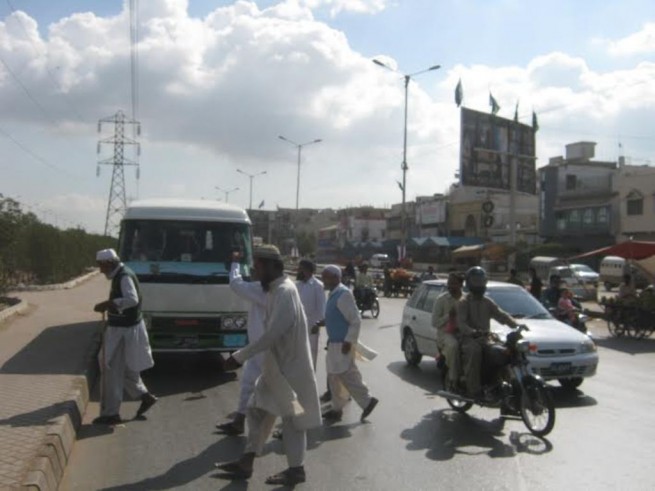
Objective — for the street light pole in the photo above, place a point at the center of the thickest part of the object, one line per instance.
(299, 147)
(251, 177)
(404, 166)
(226, 191)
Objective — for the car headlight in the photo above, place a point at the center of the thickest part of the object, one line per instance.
(228, 323)
(588, 346)
(240, 322)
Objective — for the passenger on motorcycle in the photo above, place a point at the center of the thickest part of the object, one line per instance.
(363, 286)
(444, 319)
(565, 308)
(474, 314)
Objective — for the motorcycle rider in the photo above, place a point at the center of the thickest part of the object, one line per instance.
(363, 286)
(553, 293)
(442, 319)
(474, 314)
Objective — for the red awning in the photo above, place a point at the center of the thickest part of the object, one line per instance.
(630, 249)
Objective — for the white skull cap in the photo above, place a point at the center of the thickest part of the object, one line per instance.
(107, 255)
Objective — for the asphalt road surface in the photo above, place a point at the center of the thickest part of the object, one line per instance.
(604, 436)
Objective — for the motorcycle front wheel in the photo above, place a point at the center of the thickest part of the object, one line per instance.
(460, 406)
(375, 308)
(537, 409)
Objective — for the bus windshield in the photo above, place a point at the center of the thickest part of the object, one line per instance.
(178, 241)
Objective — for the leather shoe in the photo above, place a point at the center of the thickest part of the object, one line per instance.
(234, 469)
(290, 477)
(369, 409)
(232, 428)
(147, 401)
(333, 415)
(113, 419)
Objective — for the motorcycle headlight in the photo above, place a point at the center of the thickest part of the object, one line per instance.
(228, 323)
(588, 346)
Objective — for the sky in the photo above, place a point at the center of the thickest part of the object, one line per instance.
(219, 81)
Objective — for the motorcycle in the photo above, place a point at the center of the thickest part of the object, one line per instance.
(509, 384)
(367, 299)
(579, 322)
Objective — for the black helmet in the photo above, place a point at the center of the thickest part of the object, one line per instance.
(476, 279)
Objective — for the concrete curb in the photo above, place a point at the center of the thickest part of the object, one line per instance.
(46, 469)
(18, 308)
(58, 286)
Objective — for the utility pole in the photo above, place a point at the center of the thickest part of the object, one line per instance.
(116, 203)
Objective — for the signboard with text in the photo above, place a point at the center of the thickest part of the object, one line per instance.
(488, 144)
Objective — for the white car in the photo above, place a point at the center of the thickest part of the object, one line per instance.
(560, 352)
(579, 278)
(379, 260)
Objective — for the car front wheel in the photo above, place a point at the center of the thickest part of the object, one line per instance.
(410, 349)
(571, 383)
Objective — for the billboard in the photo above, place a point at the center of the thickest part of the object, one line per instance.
(488, 144)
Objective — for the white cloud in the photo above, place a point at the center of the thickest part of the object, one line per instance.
(638, 43)
(357, 6)
(217, 91)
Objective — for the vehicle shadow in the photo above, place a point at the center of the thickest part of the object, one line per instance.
(426, 376)
(567, 398)
(182, 373)
(444, 433)
(626, 345)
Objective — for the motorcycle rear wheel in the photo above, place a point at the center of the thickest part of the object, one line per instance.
(537, 410)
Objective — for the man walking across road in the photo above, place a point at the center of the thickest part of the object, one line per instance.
(125, 348)
(254, 294)
(444, 320)
(312, 296)
(287, 385)
(342, 323)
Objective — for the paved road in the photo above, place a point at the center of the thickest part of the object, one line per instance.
(604, 437)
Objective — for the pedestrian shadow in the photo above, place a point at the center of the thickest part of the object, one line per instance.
(58, 350)
(630, 346)
(44, 416)
(426, 376)
(443, 434)
(187, 471)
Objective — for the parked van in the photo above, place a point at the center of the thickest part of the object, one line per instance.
(612, 269)
(181, 250)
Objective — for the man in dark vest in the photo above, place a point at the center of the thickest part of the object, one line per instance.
(125, 348)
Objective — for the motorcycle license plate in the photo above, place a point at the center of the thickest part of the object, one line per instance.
(560, 368)
(234, 340)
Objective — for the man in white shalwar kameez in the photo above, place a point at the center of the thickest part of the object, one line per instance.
(342, 323)
(312, 296)
(254, 294)
(125, 348)
(287, 386)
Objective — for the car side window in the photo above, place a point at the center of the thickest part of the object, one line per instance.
(416, 298)
(427, 302)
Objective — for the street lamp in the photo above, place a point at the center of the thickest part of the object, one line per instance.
(299, 147)
(251, 176)
(403, 187)
(226, 191)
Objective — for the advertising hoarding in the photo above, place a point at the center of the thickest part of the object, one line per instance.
(488, 144)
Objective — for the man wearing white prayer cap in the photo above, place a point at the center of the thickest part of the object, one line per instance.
(342, 323)
(286, 387)
(125, 347)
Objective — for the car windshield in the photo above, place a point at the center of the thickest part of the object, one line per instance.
(582, 268)
(518, 303)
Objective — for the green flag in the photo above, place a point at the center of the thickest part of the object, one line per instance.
(459, 93)
(494, 105)
(535, 124)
